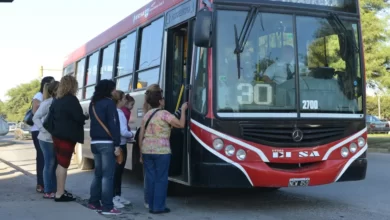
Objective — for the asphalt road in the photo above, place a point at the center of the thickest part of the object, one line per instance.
(367, 199)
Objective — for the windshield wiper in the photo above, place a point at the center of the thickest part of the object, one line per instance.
(343, 30)
(245, 32)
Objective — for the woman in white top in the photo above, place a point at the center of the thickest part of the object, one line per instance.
(46, 141)
(120, 101)
(37, 99)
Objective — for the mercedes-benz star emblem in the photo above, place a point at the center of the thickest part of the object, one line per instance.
(297, 135)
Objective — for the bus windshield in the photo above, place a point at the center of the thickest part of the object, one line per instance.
(321, 57)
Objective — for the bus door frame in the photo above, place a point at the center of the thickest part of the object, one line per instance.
(174, 18)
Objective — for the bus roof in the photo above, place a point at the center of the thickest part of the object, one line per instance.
(131, 22)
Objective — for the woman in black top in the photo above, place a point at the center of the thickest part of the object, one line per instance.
(68, 129)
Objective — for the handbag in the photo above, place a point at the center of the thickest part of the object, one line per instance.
(119, 158)
(4, 128)
(28, 117)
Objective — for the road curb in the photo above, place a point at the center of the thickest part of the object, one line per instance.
(6, 143)
(378, 150)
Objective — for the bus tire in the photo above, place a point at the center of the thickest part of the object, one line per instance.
(83, 163)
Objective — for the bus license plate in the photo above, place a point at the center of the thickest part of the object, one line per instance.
(294, 182)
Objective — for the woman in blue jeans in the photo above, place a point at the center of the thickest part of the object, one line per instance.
(105, 145)
(46, 141)
(155, 148)
(37, 99)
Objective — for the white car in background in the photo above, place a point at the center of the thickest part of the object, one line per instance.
(376, 125)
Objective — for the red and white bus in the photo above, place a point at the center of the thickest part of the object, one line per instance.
(276, 87)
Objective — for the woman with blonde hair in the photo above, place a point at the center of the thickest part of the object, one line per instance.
(37, 99)
(46, 140)
(67, 130)
(120, 100)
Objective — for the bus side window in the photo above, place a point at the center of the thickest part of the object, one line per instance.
(200, 82)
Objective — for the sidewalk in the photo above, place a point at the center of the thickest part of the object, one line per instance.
(19, 201)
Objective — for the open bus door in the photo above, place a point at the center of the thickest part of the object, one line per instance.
(176, 93)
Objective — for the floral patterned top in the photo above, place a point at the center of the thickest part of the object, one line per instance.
(156, 138)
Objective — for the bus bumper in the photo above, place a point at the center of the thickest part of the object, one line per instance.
(225, 175)
(357, 171)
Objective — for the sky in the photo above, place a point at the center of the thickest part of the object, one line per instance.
(38, 33)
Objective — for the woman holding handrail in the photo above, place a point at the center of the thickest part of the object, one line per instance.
(155, 148)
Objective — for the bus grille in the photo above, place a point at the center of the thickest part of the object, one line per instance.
(281, 136)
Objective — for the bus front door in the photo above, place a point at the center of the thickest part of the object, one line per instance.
(177, 78)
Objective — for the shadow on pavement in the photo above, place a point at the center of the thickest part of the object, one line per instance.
(18, 200)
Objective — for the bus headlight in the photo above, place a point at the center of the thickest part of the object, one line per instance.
(344, 152)
(229, 150)
(241, 154)
(352, 147)
(218, 144)
(361, 142)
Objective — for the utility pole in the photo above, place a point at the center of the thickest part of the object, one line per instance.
(379, 105)
(41, 73)
(42, 69)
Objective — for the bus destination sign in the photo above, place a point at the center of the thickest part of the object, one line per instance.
(329, 3)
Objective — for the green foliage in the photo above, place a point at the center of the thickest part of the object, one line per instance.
(372, 106)
(374, 37)
(20, 99)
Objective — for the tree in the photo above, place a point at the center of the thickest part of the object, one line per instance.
(375, 35)
(20, 100)
(372, 106)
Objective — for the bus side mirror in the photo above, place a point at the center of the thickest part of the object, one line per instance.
(203, 28)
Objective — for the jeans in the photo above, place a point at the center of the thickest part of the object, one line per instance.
(145, 188)
(49, 170)
(40, 161)
(119, 168)
(156, 168)
(103, 181)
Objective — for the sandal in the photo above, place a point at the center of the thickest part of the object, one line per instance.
(68, 193)
(65, 198)
(39, 189)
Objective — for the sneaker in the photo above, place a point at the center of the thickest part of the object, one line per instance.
(117, 204)
(96, 208)
(49, 195)
(146, 205)
(113, 211)
(39, 189)
(122, 200)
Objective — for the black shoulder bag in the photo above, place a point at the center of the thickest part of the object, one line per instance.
(28, 117)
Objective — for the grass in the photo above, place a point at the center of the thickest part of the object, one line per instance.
(379, 141)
